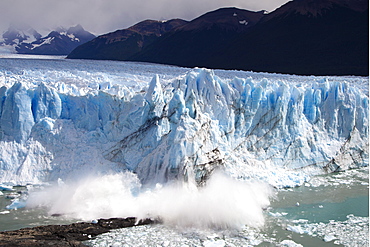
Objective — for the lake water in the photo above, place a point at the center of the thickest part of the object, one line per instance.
(329, 210)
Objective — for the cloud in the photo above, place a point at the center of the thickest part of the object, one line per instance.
(101, 16)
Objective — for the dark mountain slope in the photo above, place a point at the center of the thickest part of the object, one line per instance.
(122, 44)
(226, 19)
(318, 37)
(199, 41)
(313, 37)
(315, 8)
(334, 41)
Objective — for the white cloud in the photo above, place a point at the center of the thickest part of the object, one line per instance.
(101, 16)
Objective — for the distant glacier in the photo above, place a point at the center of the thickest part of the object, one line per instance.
(62, 119)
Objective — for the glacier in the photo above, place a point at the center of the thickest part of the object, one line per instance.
(62, 119)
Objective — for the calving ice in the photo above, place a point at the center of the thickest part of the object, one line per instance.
(165, 123)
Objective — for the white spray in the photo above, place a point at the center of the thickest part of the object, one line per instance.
(223, 203)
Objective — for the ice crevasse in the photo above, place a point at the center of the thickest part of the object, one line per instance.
(269, 130)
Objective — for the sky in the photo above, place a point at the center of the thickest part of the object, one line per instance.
(103, 16)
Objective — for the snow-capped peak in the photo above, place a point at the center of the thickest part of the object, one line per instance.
(61, 41)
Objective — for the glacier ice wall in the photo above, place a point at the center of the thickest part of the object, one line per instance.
(183, 128)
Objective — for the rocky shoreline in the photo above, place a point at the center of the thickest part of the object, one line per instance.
(66, 235)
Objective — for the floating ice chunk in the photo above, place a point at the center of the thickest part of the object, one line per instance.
(214, 243)
(300, 221)
(4, 187)
(12, 196)
(278, 214)
(298, 229)
(352, 232)
(16, 204)
(329, 237)
(289, 243)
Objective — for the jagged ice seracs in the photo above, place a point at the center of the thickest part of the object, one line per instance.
(165, 123)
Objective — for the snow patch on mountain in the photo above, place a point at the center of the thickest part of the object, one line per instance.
(23, 39)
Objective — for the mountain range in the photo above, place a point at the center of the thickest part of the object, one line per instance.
(318, 37)
(122, 44)
(26, 40)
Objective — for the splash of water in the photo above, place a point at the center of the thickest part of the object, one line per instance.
(222, 203)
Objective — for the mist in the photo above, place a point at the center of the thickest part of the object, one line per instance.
(222, 203)
(102, 16)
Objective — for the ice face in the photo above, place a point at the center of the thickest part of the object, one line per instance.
(179, 124)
